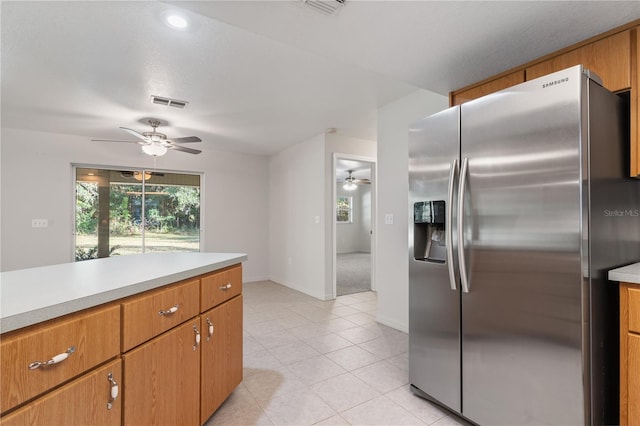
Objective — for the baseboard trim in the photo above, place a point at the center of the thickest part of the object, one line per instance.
(392, 323)
(255, 279)
(293, 287)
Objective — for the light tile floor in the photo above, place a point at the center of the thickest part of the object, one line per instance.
(310, 362)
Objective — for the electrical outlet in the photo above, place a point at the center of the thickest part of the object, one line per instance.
(388, 219)
(39, 223)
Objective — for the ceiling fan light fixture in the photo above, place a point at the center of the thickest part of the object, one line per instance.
(155, 150)
(349, 186)
(138, 176)
(349, 182)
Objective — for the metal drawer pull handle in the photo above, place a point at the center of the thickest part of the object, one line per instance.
(114, 391)
(197, 337)
(210, 329)
(225, 287)
(171, 310)
(55, 360)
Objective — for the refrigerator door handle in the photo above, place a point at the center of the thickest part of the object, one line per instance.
(449, 224)
(463, 264)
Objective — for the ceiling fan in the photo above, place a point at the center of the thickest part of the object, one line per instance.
(350, 182)
(155, 143)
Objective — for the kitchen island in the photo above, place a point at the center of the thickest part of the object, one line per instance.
(162, 330)
(629, 278)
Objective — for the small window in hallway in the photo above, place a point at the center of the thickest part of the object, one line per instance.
(344, 210)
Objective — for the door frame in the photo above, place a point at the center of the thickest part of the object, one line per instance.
(334, 193)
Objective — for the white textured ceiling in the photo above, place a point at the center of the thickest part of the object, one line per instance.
(262, 75)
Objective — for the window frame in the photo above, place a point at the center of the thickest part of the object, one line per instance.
(75, 166)
(349, 210)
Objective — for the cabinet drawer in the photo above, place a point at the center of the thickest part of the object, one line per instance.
(94, 336)
(81, 402)
(220, 286)
(148, 315)
(634, 310)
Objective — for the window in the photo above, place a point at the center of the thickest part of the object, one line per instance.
(344, 210)
(121, 212)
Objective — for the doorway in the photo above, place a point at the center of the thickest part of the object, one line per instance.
(354, 200)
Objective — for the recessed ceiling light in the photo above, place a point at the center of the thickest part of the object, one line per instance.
(177, 21)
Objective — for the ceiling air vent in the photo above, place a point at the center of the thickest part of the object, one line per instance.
(160, 100)
(326, 7)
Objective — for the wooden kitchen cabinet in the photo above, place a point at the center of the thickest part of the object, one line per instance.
(221, 357)
(85, 401)
(182, 375)
(614, 56)
(162, 379)
(629, 354)
(156, 344)
(609, 58)
(461, 96)
(87, 338)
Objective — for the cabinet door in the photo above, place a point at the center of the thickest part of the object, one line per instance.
(161, 379)
(221, 355)
(81, 402)
(609, 58)
(633, 377)
(462, 96)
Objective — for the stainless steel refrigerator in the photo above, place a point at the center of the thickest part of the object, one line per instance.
(520, 203)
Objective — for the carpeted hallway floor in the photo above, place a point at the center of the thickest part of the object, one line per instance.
(353, 273)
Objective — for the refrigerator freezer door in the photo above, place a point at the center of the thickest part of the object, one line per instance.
(522, 318)
(434, 307)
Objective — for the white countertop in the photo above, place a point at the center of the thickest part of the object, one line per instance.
(29, 296)
(626, 274)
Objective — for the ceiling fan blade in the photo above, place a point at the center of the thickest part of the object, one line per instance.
(186, 139)
(113, 140)
(184, 149)
(136, 134)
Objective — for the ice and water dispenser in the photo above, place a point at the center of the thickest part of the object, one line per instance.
(429, 241)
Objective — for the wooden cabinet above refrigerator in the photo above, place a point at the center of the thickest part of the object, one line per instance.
(613, 56)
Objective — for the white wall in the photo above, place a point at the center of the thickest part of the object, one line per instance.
(296, 217)
(300, 183)
(355, 237)
(37, 182)
(391, 268)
